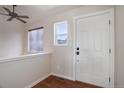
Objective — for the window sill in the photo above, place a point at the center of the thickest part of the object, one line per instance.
(60, 44)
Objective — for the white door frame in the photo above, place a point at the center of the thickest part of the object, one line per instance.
(111, 38)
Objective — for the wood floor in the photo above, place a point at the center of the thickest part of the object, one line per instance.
(57, 82)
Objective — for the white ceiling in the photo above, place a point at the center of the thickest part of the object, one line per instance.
(36, 12)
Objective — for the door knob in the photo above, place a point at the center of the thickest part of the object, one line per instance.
(77, 53)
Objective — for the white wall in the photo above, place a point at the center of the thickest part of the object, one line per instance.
(24, 72)
(119, 37)
(11, 37)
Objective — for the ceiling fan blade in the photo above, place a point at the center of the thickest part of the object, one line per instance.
(6, 9)
(22, 16)
(21, 20)
(4, 14)
(10, 19)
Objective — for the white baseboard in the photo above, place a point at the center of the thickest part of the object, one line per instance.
(41, 79)
(37, 81)
(62, 76)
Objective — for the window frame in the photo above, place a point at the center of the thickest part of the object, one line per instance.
(55, 33)
(28, 50)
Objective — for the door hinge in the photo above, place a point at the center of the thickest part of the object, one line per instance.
(109, 79)
(109, 50)
(109, 21)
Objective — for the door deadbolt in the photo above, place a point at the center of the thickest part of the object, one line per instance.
(77, 48)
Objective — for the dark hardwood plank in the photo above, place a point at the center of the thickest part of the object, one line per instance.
(57, 82)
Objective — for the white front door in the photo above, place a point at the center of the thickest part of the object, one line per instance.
(92, 43)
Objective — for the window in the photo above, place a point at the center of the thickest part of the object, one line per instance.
(61, 33)
(35, 40)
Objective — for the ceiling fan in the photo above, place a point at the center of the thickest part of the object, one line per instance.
(13, 14)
